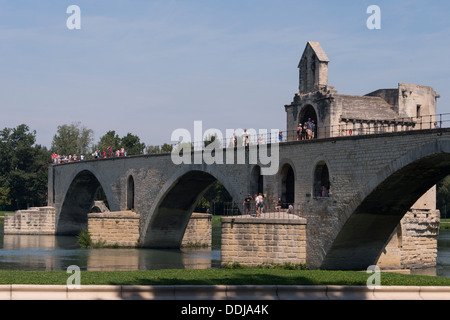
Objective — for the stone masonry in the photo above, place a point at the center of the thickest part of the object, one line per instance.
(198, 231)
(114, 228)
(262, 240)
(31, 221)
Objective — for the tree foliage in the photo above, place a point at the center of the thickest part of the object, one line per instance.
(72, 139)
(443, 196)
(109, 140)
(130, 142)
(23, 168)
(216, 193)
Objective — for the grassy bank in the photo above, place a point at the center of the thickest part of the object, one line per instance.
(219, 277)
(2, 213)
(445, 224)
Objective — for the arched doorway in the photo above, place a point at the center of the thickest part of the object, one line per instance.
(256, 181)
(308, 113)
(287, 178)
(130, 193)
(321, 185)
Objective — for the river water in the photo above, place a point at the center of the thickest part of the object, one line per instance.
(47, 252)
(39, 252)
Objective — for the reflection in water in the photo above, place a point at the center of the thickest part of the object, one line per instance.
(46, 252)
(443, 258)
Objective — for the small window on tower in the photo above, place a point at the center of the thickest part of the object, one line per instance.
(418, 111)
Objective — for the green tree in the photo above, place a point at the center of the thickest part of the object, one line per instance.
(23, 169)
(109, 139)
(212, 138)
(166, 148)
(216, 193)
(72, 139)
(151, 149)
(5, 199)
(443, 196)
(132, 144)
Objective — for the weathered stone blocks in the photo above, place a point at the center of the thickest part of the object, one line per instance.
(263, 240)
(119, 228)
(35, 220)
(198, 231)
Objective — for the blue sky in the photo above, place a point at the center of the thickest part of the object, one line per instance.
(150, 67)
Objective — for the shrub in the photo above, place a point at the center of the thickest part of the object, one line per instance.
(84, 239)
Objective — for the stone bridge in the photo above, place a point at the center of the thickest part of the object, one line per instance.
(372, 180)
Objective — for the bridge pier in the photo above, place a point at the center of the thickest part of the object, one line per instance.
(269, 239)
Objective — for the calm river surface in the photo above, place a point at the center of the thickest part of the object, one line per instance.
(27, 252)
(41, 252)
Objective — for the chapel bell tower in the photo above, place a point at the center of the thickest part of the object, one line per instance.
(313, 69)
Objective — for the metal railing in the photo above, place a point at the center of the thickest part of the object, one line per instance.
(347, 127)
(269, 210)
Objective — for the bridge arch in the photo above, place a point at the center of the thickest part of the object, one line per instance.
(168, 217)
(376, 211)
(78, 201)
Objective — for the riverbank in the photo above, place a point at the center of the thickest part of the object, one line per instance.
(248, 276)
(183, 275)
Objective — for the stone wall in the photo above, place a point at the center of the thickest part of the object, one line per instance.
(258, 240)
(413, 244)
(198, 230)
(420, 230)
(114, 228)
(31, 221)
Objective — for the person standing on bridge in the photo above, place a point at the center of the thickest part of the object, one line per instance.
(309, 129)
(313, 129)
(246, 138)
(259, 204)
(247, 203)
(299, 132)
(234, 140)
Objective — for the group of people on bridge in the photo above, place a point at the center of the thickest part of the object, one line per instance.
(306, 131)
(256, 204)
(109, 153)
(58, 159)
